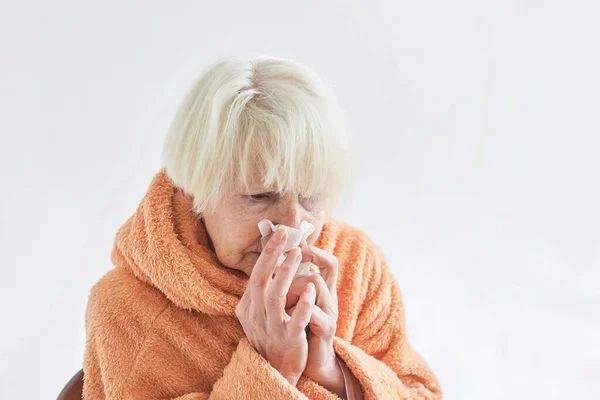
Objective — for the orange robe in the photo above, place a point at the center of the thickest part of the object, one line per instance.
(162, 324)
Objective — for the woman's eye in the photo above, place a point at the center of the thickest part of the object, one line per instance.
(309, 202)
(259, 197)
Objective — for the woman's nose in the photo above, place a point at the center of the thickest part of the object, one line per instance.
(289, 213)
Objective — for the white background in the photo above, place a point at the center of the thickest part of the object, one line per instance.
(477, 137)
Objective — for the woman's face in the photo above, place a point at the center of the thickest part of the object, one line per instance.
(233, 226)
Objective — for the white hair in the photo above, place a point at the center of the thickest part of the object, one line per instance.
(269, 116)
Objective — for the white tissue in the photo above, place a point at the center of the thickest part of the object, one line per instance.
(295, 236)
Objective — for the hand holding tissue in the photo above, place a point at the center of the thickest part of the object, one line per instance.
(294, 237)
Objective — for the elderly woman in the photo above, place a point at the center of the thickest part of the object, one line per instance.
(202, 304)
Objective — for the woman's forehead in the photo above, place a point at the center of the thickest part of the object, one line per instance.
(255, 182)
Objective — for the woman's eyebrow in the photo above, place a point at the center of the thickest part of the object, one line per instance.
(265, 191)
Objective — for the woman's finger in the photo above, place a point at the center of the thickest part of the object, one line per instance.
(327, 263)
(324, 298)
(262, 272)
(320, 323)
(303, 311)
(279, 287)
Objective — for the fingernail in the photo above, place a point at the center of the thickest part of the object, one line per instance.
(310, 288)
(280, 234)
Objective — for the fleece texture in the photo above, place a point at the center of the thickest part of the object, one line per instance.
(162, 324)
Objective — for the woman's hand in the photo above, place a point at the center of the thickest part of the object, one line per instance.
(322, 366)
(279, 338)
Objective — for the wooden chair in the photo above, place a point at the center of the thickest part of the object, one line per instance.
(73, 389)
